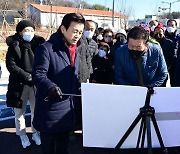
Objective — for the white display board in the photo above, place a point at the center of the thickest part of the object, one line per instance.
(109, 110)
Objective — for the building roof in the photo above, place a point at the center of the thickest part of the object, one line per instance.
(65, 10)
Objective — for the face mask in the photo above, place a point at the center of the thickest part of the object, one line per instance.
(121, 39)
(135, 53)
(107, 39)
(99, 37)
(102, 53)
(158, 36)
(152, 28)
(28, 36)
(171, 29)
(88, 34)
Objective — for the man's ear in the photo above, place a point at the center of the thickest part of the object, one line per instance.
(63, 29)
(21, 33)
(147, 44)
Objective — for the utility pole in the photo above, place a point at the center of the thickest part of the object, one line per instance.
(113, 14)
(49, 3)
(51, 15)
(170, 4)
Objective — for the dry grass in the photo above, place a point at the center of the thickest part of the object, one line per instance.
(3, 51)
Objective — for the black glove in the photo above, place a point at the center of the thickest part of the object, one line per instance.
(55, 93)
(29, 81)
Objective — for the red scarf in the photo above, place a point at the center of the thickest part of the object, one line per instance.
(72, 52)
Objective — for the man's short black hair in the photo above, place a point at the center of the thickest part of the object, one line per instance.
(137, 33)
(172, 20)
(72, 17)
(93, 22)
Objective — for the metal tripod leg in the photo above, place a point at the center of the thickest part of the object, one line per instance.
(144, 132)
(140, 132)
(158, 134)
(127, 132)
(146, 113)
(149, 140)
(145, 125)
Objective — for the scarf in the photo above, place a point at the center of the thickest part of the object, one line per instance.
(72, 52)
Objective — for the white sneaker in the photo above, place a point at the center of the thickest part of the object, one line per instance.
(36, 138)
(25, 141)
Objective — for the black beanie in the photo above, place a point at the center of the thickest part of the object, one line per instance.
(23, 24)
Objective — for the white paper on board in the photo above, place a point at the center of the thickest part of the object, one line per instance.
(109, 110)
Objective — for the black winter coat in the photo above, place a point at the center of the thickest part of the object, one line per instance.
(168, 51)
(102, 70)
(51, 67)
(19, 59)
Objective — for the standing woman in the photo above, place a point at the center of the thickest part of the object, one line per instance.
(21, 89)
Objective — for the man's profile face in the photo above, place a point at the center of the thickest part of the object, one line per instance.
(73, 33)
(137, 45)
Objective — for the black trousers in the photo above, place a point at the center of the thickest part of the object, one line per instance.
(54, 143)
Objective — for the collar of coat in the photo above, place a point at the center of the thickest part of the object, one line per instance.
(58, 38)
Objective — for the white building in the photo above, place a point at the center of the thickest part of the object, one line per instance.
(51, 16)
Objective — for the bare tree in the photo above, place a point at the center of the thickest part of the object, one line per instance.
(125, 13)
(85, 5)
(64, 3)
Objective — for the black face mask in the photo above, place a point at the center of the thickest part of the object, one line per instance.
(158, 36)
(120, 39)
(135, 53)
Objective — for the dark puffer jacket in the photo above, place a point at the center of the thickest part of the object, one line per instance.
(19, 59)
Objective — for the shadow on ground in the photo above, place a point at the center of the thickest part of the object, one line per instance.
(10, 143)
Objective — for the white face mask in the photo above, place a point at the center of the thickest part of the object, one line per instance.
(102, 53)
(152, 28)
(100, 37)
(88, 34)
(28, 36)
(171, 29)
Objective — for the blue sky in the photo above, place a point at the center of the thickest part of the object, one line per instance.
(137, 9)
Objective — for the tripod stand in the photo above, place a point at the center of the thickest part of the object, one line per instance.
(146, 114)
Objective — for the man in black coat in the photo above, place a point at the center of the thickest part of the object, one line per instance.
(60, 65)
(167, 49)
(177, 72)
(21, 89)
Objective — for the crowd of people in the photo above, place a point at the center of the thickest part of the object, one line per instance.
(42, 72)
